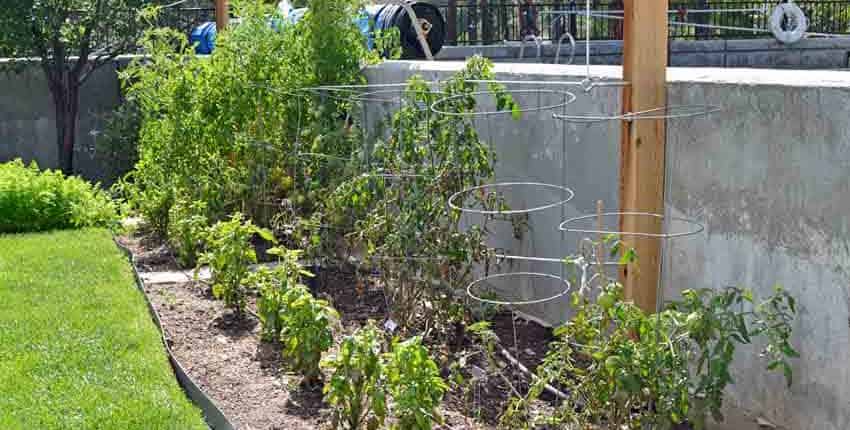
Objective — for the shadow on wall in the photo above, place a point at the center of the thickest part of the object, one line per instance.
(27, 124)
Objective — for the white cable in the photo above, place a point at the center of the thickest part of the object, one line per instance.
(798, 20)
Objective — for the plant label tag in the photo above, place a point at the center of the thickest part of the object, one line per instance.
(477, 372)
(390, 325)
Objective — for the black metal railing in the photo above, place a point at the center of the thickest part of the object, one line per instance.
(475, 22)
(493, 21)
(185, 19)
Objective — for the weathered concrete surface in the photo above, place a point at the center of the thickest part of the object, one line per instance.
(27, 119)
(831, 53)
(769, 178)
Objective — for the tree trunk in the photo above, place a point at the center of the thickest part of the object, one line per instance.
(66, 101)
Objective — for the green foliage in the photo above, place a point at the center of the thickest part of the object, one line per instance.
(34, 200)
(229, 255)
(414, 382)
(273, 285)
(71, 39)
(625, 368)
(65, 28)
(396, 210)
(187, 226)
(227, 130)
(117, 144)
(356, 389)
(716, 321)
(307, 330)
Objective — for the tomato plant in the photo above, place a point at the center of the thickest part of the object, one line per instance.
(626, 368)
(230, 130)
(396, 212)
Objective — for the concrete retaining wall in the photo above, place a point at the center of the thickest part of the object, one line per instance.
(832, 53)
(27, 119)
(768, 176)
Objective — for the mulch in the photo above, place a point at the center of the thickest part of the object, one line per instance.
(251, 383)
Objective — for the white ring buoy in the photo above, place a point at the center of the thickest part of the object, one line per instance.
(799, 23)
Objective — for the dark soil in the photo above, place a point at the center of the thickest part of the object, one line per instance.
(151, 252)
(249, 381)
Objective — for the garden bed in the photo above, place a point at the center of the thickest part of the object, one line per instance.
(250, 381)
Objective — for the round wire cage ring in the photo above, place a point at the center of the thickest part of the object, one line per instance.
(408, 258)
(667, 112)
(397, 96)
(320, 156)
(365, 93)
(395, 175)
(562, 260)
(567, 194)
(470, 289)
(568, 98)
(694, 227)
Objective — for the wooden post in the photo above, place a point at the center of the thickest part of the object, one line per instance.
(642, 146)
(222, 14)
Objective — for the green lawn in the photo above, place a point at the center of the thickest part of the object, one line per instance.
(78, 349)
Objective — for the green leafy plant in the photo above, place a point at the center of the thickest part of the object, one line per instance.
(395, 211)
(356, 388)
(273, 285)
(229, 255)
(187, 226)
(414, 382)
(626, 368)
(307, 331)
(230, 130)
(36, 200)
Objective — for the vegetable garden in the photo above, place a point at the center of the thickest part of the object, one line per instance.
(270, 152)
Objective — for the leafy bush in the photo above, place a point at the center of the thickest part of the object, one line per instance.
(34, 200)
(414, 382)
(625, 368)
(227, 130)
(229, 255)
(273, 285)
(356, 389)
(307, 331)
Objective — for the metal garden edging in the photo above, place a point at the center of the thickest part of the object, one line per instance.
(215, 419)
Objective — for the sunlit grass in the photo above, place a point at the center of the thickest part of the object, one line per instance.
(78, 349)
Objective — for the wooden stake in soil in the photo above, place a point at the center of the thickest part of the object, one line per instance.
(599, 227)
(642, 145)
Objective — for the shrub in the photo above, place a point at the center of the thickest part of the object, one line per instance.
(33, 200)
(229, 255)
(307, 331)
(356, 389)
(414, 382)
